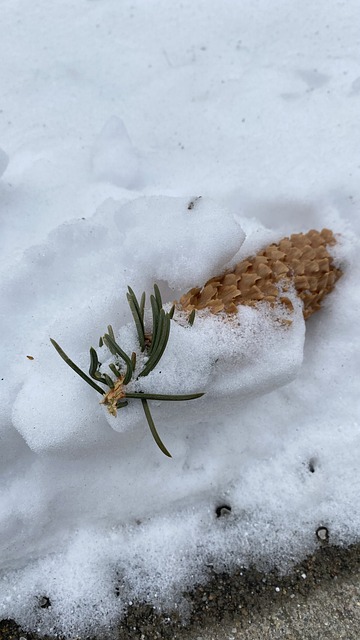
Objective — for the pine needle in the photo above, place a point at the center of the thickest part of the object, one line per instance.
(75, 368)
(153, 429)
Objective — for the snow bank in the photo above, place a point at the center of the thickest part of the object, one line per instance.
(92, 515)
(90, 507)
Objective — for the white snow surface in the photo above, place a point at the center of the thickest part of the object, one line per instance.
(116, 118)
(4, 160)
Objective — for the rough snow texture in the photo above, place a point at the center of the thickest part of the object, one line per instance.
(111, 137)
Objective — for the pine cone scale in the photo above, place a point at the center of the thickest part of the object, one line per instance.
(301, 260)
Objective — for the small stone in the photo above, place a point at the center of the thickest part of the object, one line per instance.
(322, 533)
(44, 602)
(223, 510)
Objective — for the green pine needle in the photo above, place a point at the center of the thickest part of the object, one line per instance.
(75, 368)
(94, 362)
(191, 318)
(157, 334)
(115, 370)
(158, 296)
(142, 305)
(159, 396)
(111, 332)
(153, 429)
(160, 344)
(138, 315)
(107, 380)
(116, 350)
(155, 320)
(94, 370)
(121, 403)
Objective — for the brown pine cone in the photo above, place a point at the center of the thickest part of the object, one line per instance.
(301, 260)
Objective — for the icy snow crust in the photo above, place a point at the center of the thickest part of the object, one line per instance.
(106, 143)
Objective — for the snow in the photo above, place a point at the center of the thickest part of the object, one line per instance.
(113, 157)
(149, 142)
(4, 160)
(184, 247)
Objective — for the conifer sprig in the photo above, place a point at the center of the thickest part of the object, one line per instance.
(153, 344)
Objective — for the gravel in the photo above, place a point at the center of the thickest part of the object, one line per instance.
(320, 600)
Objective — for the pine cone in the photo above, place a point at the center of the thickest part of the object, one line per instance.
(301, 260)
